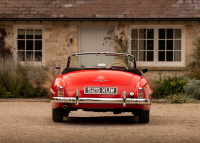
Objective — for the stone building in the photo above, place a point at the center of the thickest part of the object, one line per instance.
(160, 32)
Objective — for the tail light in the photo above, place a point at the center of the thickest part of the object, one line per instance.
(60, 91)
(140, 92)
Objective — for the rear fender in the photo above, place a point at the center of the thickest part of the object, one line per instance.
(57, 83)
(145, 85)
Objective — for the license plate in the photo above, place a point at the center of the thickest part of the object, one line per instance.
(100, 90)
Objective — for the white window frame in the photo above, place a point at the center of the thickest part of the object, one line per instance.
(16, 27)
(156, 63)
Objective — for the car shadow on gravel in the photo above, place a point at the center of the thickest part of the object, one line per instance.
(101, 120)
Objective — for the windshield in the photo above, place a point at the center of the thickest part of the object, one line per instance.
(101, 60)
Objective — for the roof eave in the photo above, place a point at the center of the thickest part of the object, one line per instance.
(100, 19)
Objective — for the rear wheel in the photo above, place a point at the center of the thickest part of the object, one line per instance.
(136, 112)
(65, 113)
(144, 116)
(57, 114)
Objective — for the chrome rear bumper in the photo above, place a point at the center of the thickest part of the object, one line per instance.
(122, 101)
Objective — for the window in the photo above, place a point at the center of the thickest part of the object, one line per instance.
(169, 45)
(29, 43)
(158, 46)
(143, 44)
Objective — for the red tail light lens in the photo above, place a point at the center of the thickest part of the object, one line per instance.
(140, 92)
(60, 91)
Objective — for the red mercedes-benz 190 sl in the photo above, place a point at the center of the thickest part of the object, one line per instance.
(101, 82)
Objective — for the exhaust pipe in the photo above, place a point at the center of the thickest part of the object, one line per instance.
(65, 107)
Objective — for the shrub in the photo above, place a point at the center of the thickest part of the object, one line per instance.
(153, 86)
(192, 89)
(37, 77)
(3, 92)
(194, 70)
(15, 80)
(194, 67)
(170, 86)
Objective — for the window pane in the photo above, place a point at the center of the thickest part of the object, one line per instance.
(29, 45)
(161, 56)
(169, 44)
(134, 53)
(150, 33)
(169, 33)
(142, 45)
(177, 56)
(29, 34)
(38, 34)
(38, 56)
(29, 48)
(169, 55)
(38, 45)
(21, 56)
(142, 55)
(21, 45)
(150, 44)
(178, 33)
(142, 33)
(29, 56)
(161, 45)
(21, 33)
(134, 33)
(150, 56)
(134, 44)
(161, 33)
(177, 44)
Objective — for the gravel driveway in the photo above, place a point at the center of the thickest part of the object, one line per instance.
(31, 122)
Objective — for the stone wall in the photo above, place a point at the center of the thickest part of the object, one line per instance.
(57, 43)
(8, 26)
(58, 46)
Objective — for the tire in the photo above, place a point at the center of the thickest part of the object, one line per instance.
(57, 114)
(136, 113)
(65, 113)
(144, 116)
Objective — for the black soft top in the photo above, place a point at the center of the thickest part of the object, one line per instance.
(67, 70)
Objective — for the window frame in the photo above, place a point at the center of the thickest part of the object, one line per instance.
(157, 63)
(16, 27)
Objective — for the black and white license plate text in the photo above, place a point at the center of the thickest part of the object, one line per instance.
(100, 90)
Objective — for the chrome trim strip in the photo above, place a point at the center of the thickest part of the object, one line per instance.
(72, 100)
(86, 53)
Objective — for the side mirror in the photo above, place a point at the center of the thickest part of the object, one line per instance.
(57, 69)
(145, 70)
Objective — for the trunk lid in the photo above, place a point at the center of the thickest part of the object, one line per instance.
(96, 77)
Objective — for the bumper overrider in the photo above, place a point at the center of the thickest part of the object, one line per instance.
(76, 100)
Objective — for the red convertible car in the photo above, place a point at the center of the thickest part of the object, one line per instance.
(101, 82)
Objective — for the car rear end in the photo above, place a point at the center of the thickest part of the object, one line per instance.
(101, 90)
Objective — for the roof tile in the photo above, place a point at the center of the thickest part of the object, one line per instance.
(100, 8)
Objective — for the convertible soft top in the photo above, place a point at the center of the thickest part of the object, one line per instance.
(67, 70)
